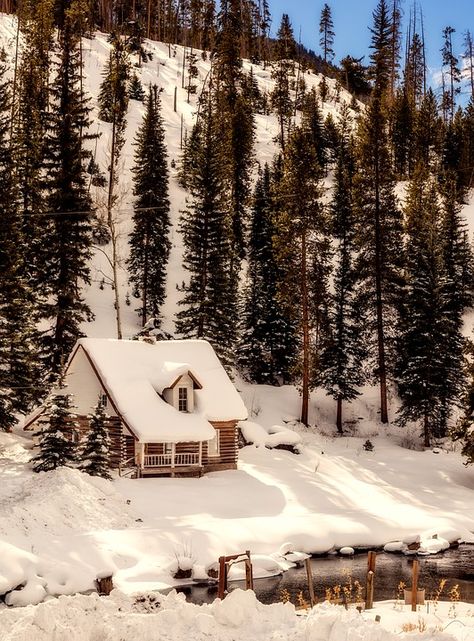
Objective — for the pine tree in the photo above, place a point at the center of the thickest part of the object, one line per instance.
(95, 455)
(18, 354)
(326, 31)
(342, 360)
(451, 66)
(57, 445)
(299, 243)
(420, 370)
(267, 349)
(210, 296)
(456, 295)
(113, 95)
(428, 132)
(382, 55)
(283, 70)
(379, 237)
(69, 243)
(135, 89)
(149, 241)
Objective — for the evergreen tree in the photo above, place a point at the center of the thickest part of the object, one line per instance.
(463, 431)
(420, 369)
(451, 67)
(342, 360)
(95, 455)
(210, 296)
(381, 45)
(300, 250)
(267, 348)
(113, 95)
(403, 116)
(380, 260)
(149, 241)
(428, 132)
(57, 445)
(326, 31)
(135, 89)
(18, 354)
(282, 71)
(456, 296)
(69, 242)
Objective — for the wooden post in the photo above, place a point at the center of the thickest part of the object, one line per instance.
(175, 99)
(222, 577)
(200, 453)
(414, 585)
(250, 571)
(309, 574)
(369, 597)
(173, 458)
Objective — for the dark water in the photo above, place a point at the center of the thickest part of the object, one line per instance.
(456, 566)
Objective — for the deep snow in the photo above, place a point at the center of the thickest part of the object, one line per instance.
(239, 617)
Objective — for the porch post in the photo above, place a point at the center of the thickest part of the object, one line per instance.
(200, 453)
(173, 457)
(141, 455)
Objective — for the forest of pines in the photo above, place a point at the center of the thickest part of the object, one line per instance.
(310, 269)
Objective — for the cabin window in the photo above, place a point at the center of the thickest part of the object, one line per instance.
(103, 400)
(183, 399)
(213, 446)
(168, 449)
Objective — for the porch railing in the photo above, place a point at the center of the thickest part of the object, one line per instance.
(166, 460)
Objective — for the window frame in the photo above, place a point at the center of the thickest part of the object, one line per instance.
(183, 399)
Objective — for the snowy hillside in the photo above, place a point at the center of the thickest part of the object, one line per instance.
(164, 70)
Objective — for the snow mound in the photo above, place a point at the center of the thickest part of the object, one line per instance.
(62, 501)
(273, 437)
(238, 618)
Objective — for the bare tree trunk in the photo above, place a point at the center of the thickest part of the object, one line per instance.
(112, 228)
(306, 341)
(379, 298)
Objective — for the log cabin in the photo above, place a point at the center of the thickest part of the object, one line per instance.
(173, 410)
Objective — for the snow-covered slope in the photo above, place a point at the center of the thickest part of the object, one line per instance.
(60, 530)
(164, 70)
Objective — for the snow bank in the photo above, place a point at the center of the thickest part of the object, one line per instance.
(273, 437)
(239, 617)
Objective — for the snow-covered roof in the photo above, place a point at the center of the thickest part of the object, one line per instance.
(135, 374)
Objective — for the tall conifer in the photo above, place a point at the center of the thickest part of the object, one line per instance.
(149, 240)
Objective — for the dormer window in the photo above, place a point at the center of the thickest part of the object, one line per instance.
(183, 399)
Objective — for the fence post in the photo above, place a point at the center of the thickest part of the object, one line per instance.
(414, 585)
(222, 577)
(369, 597)
(309, 574)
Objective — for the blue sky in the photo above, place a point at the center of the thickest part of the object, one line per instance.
(352, 18)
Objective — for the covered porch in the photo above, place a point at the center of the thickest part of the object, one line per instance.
(170, 459)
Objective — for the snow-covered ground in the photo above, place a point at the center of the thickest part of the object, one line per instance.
(60, 530)
(239, 617)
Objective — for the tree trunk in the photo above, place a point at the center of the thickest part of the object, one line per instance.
(111, 225)
(306, 343)
(426, 431)
(339, 415)
(379, 299)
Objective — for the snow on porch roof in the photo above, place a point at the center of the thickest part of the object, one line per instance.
(136, 373)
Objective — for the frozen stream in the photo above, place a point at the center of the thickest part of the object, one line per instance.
(456, 566)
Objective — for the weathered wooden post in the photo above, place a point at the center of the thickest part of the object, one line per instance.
(369, 597)
(414, 585)
(309, 575)
(175, 103)
(222, 577)
(248, 572)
